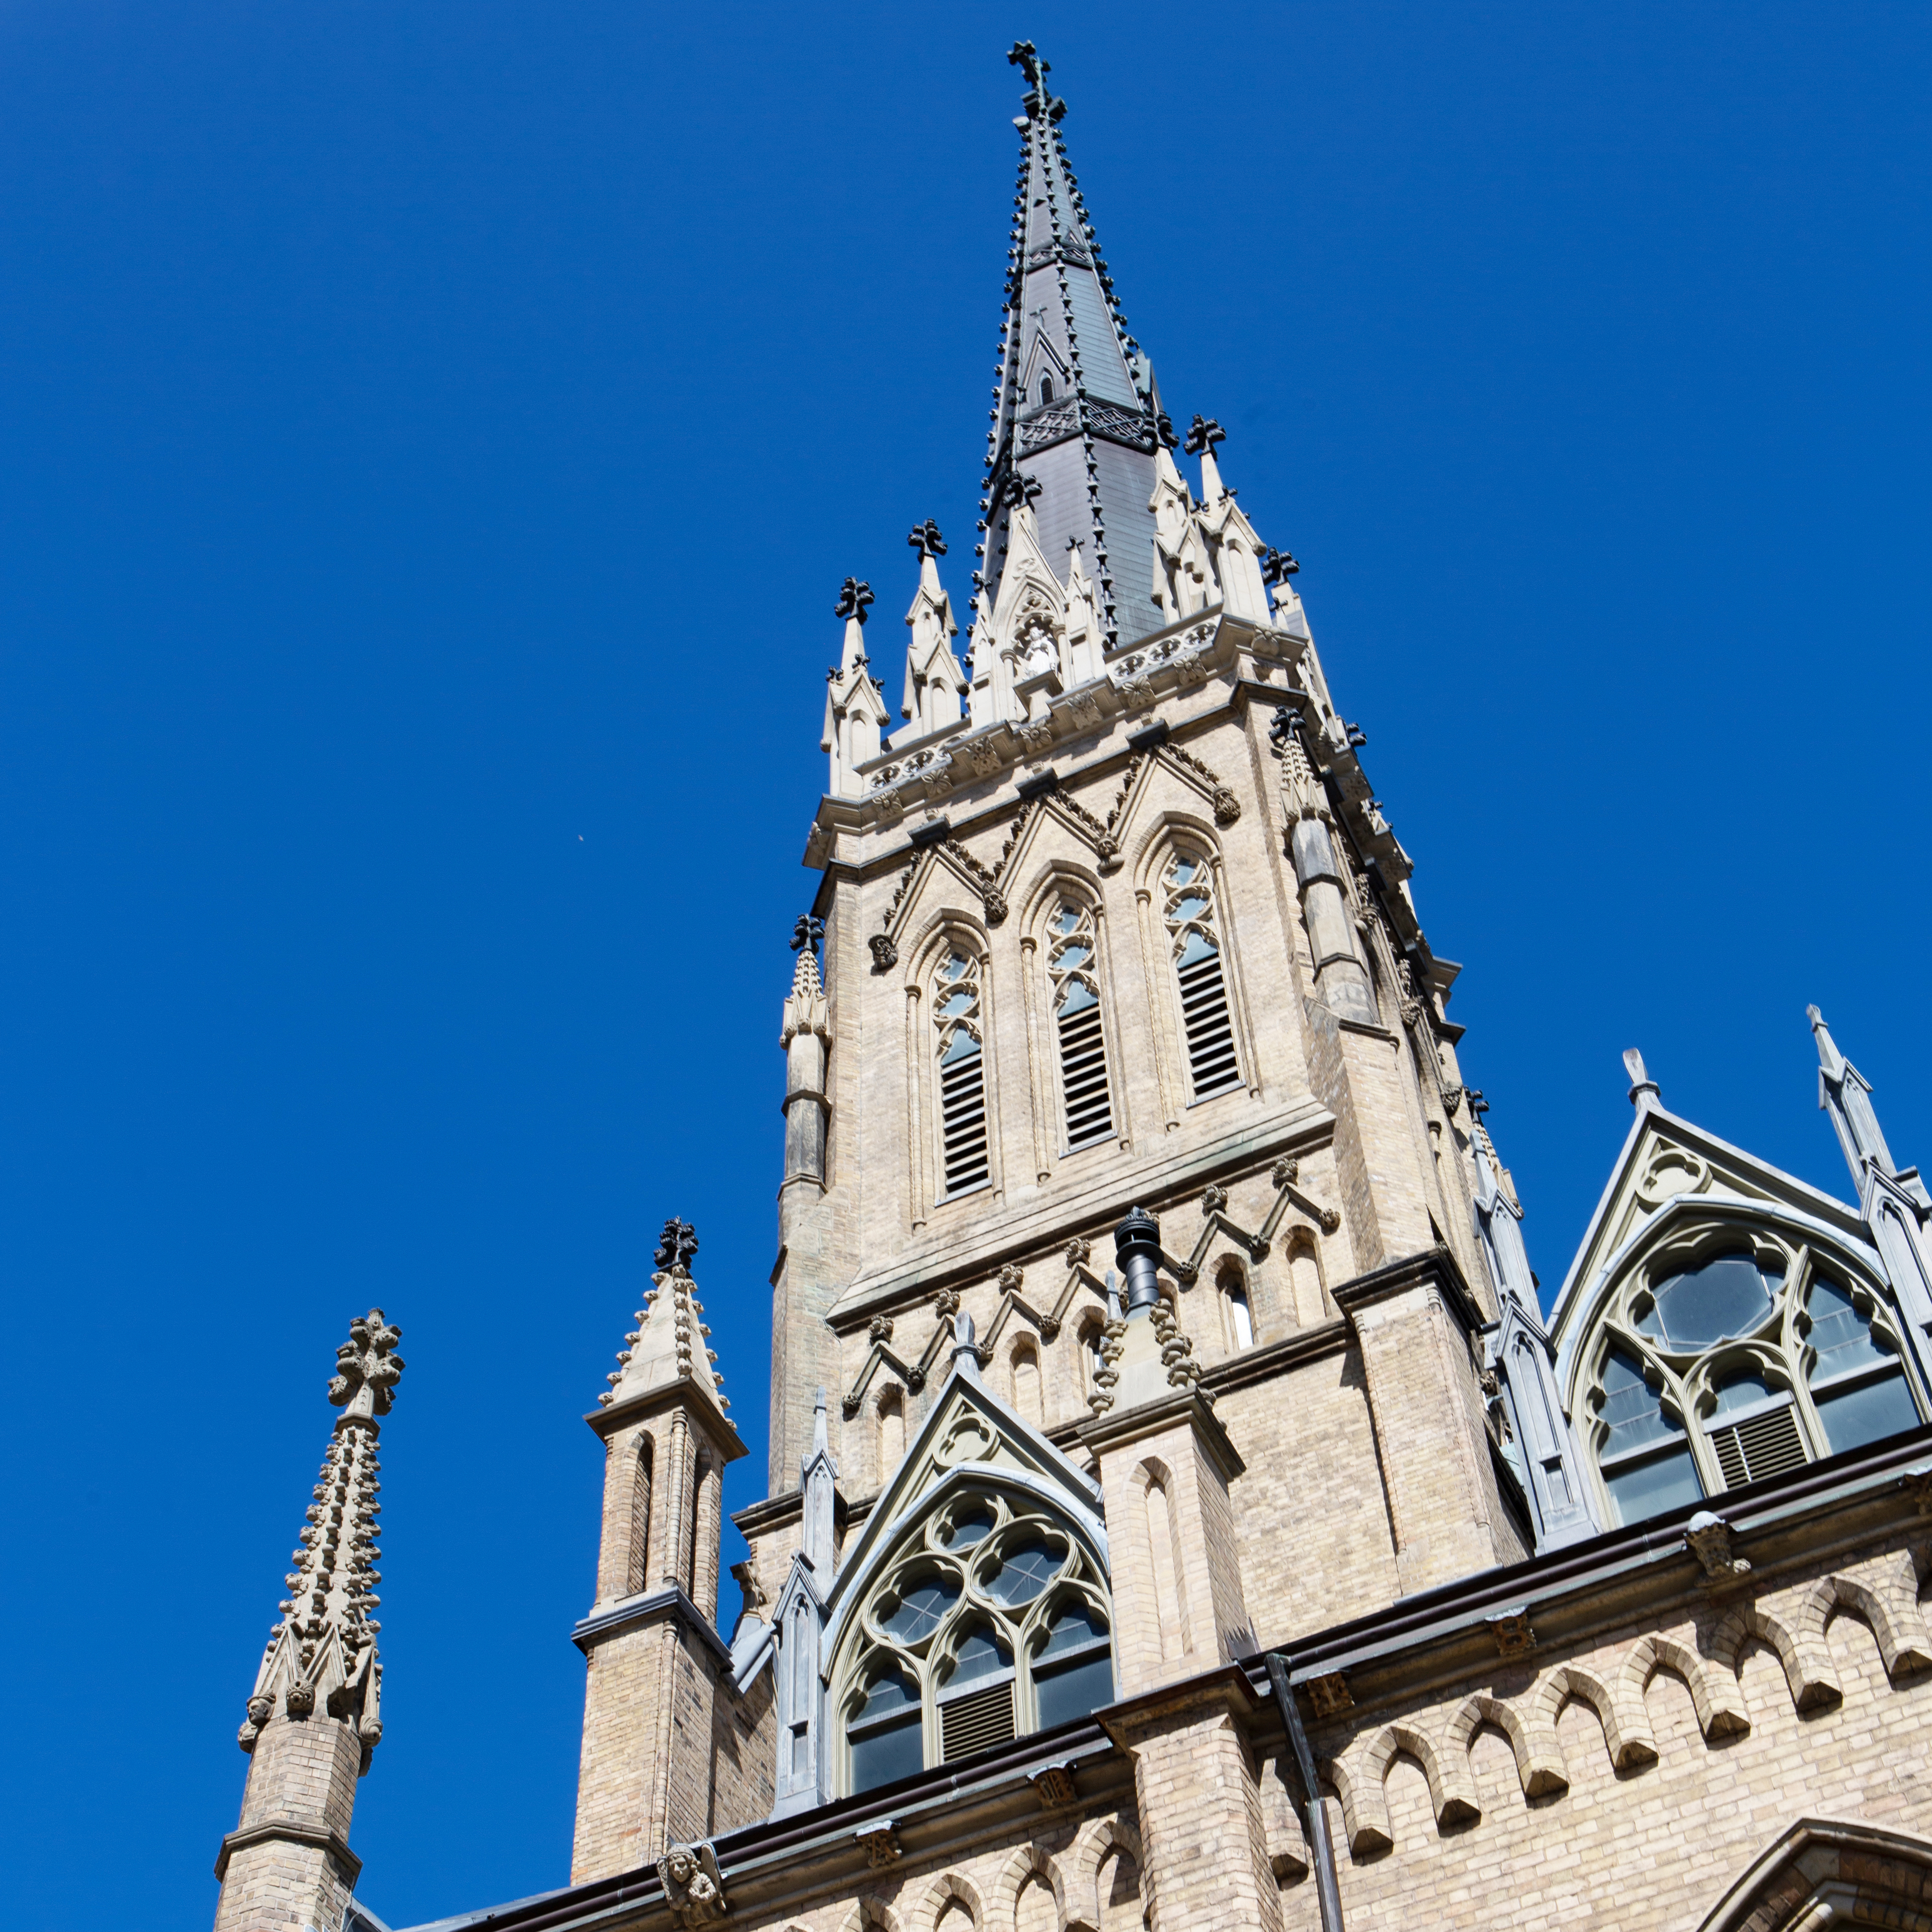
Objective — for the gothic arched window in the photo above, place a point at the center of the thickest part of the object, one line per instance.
(962, 1075)
(1072, 971)
(1187, 908)
(1857, 1384)
(1046, 389)
(991, 1622)
(1733, 1357)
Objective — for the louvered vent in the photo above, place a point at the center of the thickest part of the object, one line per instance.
(1083, 1074)
(1764, 1445)
(970, 1723)
(962, 1103)
(1211, 1035)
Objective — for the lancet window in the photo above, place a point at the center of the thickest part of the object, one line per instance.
(962, 1074)
(1734, 1359)
(1194, 935)
(1073, 971)
(992, 1621)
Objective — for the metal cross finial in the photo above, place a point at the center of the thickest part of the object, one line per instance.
(1277, 566)
(367, 1367)
(808, 931)
(676, 1246)
(1018, 490)
(1026, 55)
(1478, 1106)
(925, 538)
(1203, 434)
(853, 596)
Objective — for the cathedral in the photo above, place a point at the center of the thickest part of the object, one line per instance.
(1182, 1510)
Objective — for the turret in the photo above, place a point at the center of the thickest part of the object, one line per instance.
(1896, 1207)
(934, 682)
(1538, 1441)
(314, 1716)
(806, 1035)
(652, 1630)
(855, 711)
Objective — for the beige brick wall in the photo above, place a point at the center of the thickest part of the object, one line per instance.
(1714, 1767)
(302, 1772)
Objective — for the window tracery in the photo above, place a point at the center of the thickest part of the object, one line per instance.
(1188, 910)
(1072, 972)
(1735, 1356)
(992, 1621)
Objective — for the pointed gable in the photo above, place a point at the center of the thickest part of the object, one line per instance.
(1670, 1166)
(970, 1439)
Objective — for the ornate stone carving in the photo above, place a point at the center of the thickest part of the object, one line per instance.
(1227, 806)
(367, 1371)
(301, 1700)
(694, 1888)
(1012, 1278)
(1511, 1630)
(995, 903)
(885, 954)
(1055, 1785)
(1331, 1695)
(1078, 1252)
(746, 1575)
(1707, 1537)
(880, 1840)
(881, 1329)
(1212, 1200)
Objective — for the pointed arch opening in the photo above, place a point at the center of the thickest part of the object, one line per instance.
(1192, 918)
(988, 1618)
(636, 1554)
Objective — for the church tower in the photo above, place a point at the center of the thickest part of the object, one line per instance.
(315, 1715)
(1129, 928)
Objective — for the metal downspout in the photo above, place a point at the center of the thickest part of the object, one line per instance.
(1316, 1813)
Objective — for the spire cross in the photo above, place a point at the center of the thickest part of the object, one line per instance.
(1277, 566)
(925, 538)
(1018, 490)
(808, 931)
(853, 597)
(1202, 435)
(677, 1244)
(1025, 56)
(367, 1370)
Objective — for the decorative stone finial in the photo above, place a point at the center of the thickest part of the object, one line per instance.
(1277, 566)
(367, 1371)
(1644, 1091)
(1025, 56)
(677, 1245)
(854, 597)
(1203, 434)
(925, 538)
(808, 932)
(1019, 492)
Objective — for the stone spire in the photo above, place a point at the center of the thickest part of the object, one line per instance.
(669, 1343)
(1076, 407)
(1538, 1441)
(934, 682)
(855, 711)
(314, 1716)
(1896, 1208)
(806, 1035)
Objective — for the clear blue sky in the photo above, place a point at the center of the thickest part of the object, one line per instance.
(433, 436)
